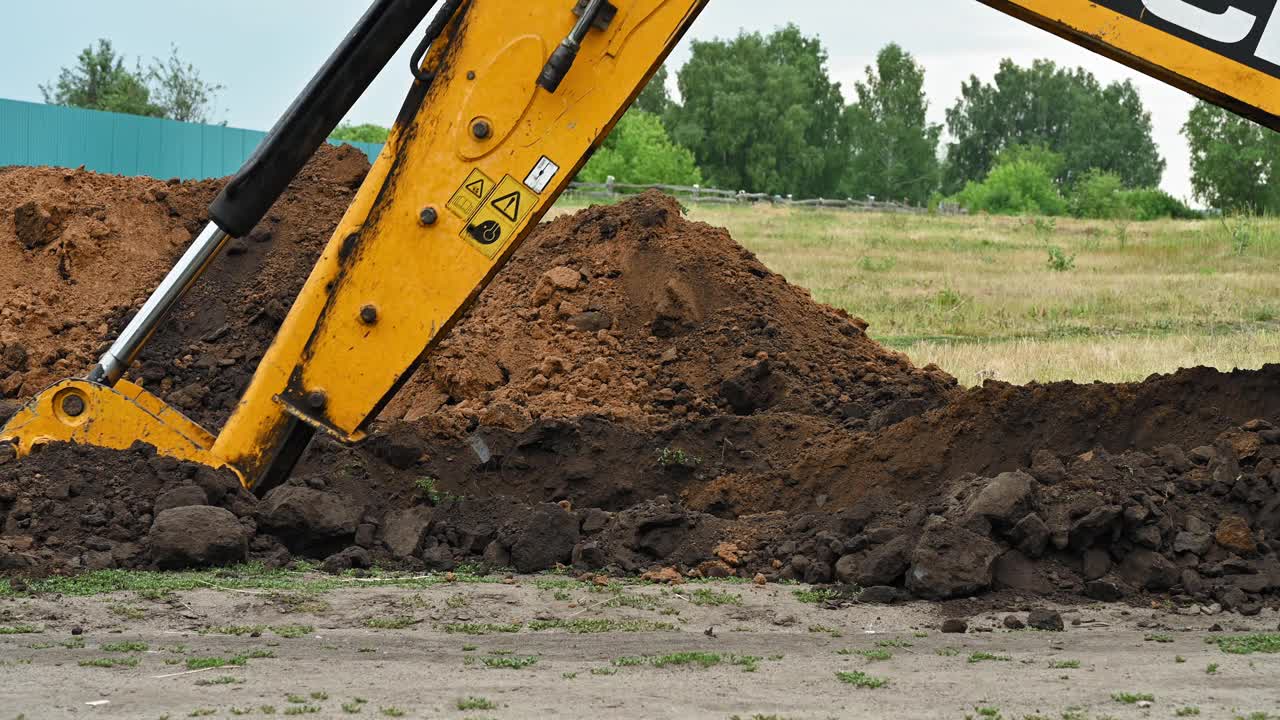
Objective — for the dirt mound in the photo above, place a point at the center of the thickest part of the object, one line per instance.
(634, 391)
(73, 247)
(634, 313)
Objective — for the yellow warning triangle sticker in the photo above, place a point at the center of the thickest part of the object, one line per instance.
(477, 188)
(509, 206)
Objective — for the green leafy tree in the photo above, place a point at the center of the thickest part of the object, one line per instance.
(179, 91)
(894, 148)
(1067, 111)
(656, 97)
(640, 152)
(760, 113)
(1235, 164)
(99, 80)
(367, 133)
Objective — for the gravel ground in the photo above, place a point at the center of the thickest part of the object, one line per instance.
(548, 646)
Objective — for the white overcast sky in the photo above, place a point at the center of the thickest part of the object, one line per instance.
(265, 51)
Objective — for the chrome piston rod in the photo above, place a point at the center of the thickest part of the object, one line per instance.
(125, 349)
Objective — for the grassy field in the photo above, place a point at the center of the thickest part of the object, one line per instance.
(983, 298)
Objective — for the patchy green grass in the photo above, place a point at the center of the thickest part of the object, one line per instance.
(392, 711)
(983, 656)
(110, 662)
(815, 596)
(860, 679)
(20, 630)
(1132, 698)
(713, 598)
(252, 576)
(749, 663)
(1064, 665)
(203, 663)
(947, 651)
(893, 643)
(1157, 638)
(1212, 669)
(302, 710)
(513, 662)
(128, 612)
(391, 623)
(876, 655)
(1249, 644)
(481, 628)
(125, 647)
(476, 703)
(1187, 711)
(292, 632)
(223, 680)
(600, 625)
(236, 630)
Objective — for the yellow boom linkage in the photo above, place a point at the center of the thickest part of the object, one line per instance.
(481, 151)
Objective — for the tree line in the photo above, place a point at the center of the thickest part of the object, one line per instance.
(760, 113)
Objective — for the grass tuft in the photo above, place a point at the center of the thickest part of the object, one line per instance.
(1249, 644)
(861, 680)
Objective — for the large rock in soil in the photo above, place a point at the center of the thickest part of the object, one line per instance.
(197, 536)
(1005, 500)
(950, 561)
(301, 514)
(1015, 571)
(1149, 570)
(184, 496)
(403, 531)
(883, 565)
(1100, 524)
(1234, 535)
(545, 537)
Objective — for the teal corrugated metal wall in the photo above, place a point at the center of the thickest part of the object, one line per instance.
(35, 134)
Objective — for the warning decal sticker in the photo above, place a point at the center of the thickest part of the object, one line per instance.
(499, 217)
(471, 194)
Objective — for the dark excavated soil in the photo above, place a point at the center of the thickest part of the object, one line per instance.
(635, 390)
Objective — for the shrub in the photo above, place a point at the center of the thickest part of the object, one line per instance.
(1100, 195)
(639, 151)
(1019, 187)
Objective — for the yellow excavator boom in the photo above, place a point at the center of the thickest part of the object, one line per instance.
(509, 99)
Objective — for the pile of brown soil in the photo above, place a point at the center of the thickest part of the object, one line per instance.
(635, 314)
(637, 390)
(73, 247)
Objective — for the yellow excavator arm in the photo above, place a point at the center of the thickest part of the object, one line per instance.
(509, 98)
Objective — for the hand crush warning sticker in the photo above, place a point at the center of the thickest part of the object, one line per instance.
(499, 217)
(470, 194)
